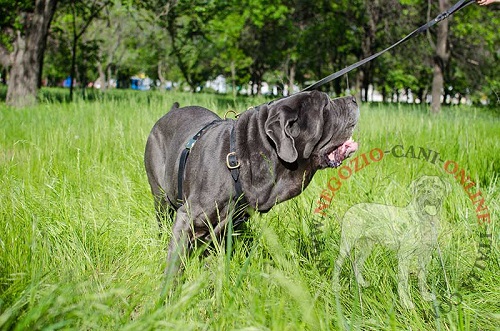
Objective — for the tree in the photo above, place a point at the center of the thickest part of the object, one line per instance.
(264, 38)
(24, 26)
(187, 24)
(441, 59)
(474, 69)
(111, 33)
(82, 13)
(225, 32)
(281, 42)
(406, 67)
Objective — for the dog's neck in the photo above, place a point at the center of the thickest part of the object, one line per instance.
(266, 179)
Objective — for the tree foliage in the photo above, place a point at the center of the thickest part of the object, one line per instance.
(24, 26)
(282, 42)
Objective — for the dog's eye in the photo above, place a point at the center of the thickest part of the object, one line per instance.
(350, 127)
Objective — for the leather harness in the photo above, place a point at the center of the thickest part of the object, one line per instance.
(233, 165)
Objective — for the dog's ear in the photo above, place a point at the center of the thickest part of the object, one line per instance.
(430, 181)
(447, 186)
(281, 130)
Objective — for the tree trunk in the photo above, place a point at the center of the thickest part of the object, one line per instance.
(160, 76)
(291, 78)
(102, 76)
(109, 75)
(72, 73)
(440, 60)
(367, 45)
(358, 86)
(27, 56)
(384, 91)
(95, 9)
(233, 79)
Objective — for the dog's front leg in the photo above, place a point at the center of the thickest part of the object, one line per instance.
(179, 243)
(423, 260)
(403, 285)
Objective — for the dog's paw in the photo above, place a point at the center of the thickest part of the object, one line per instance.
(362, 282)
(336, 286)
(427, 296)
(407, 304)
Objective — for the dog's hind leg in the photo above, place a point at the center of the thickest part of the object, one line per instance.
(164, 213)
(363, 249)
(403, 285)
(182, 237)
(345, 248)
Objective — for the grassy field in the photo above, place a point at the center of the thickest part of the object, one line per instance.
(79, 244)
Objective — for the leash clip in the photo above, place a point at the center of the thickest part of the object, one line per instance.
(441, 17)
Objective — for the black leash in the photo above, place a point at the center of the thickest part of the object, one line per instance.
(459, 5)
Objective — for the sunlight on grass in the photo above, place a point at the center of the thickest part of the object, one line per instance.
(79, 244)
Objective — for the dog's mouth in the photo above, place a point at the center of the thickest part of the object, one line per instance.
(430, 206)
(340, 153)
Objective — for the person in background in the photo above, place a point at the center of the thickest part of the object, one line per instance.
(486, 2)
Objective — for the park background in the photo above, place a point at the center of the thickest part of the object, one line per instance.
(79, 244)
(284, 44)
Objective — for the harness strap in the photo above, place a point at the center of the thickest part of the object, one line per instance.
(183, 161)
(459, 5)
(233, 165)
(239, 215)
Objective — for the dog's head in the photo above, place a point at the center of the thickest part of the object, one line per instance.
(311, 125)
(429, 192)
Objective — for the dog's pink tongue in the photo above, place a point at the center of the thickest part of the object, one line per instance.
(349, 147)
(342, 152)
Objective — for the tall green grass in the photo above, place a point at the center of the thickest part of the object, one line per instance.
(79, 244)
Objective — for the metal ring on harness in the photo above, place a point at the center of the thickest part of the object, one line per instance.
(231, 111)
(230, 164)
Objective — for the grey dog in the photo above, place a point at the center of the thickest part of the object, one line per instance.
(279, 146)
(411, 231)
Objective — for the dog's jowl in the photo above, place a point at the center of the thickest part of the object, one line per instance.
(266, 156)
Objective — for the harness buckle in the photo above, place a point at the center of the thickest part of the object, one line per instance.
(190, 143)
(230, 161)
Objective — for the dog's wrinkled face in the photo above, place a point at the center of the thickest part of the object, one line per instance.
(429, 193)
(340, 118)
(310, 124)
